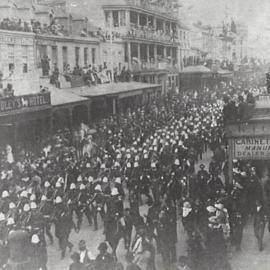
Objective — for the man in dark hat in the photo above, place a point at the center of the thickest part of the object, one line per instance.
(76, 264)
(202, 178)
(104, 260)
(86, 257)
(260, 219)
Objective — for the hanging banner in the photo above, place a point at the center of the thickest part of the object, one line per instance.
(251, 148)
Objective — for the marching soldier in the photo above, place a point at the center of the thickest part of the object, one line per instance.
(166, 243)
(4, 202)
(39, 256)
(46, 208)
(23, 199)
(83, 206)
(71, 200)
(97, 203)
(63, 225)
(237, 224)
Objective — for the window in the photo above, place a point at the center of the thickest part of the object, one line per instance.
(65, 57)
(93, 56)
(85, 56)
(77, 55)
(115, 19)
(11, 59)
(123, 18)
(25, 58)
(54, 57)
(107, 18)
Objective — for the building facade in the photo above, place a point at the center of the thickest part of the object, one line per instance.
(18, 54)
(68, 51)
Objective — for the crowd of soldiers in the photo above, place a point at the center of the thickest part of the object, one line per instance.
(146, 156)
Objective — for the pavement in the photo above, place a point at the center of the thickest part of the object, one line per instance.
(249, 258)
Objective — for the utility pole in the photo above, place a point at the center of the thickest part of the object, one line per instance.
(111, 46)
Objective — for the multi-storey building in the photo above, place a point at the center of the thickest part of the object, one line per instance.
(141, 35)
(233, 38)
(202, 42)
(184, 45)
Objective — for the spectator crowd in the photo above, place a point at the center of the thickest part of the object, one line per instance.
(143, 158)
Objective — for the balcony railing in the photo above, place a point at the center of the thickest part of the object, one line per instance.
(149, 66)
(24, 102)
(150, 34)
(154, 7)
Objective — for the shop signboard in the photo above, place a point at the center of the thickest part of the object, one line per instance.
(30, 102)
(251, 148)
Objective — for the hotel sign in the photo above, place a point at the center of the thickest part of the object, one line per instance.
(251, 148)
(26, 102)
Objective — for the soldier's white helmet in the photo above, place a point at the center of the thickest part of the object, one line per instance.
(33, 205)
(10, 221)
(79, 179)
(90, 179)
(2, 217)
(33, 197)
(82, 186)
(35, 239)
(105, 180)
(114, 192)
(58, 184)
(47, 184)
(58, 199)
(5, 194)
(177, 162)
(24, 194)
(136, 164)
(72, 186)
(43, 198)
(118, 180)
(12, 205)
(128, 165)
(98, 188)
(26, 207)
(102, 166)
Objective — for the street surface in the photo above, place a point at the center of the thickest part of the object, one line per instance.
(249, 258)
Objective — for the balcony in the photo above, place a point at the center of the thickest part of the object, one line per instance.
(151, 66)
(152, 7)
(150, 35)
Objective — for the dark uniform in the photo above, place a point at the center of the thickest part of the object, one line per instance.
(83, 206)
(260, 219)
(63, 227)
(97, 203)
(46, 209)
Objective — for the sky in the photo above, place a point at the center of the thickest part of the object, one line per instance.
(254, 13)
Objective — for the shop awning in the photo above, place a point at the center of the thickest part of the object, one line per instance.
(62, 97)
(224, 73)
(196, 70)
(113, 89)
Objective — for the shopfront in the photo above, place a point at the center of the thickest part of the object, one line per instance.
(250, 140)
(25, 120)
